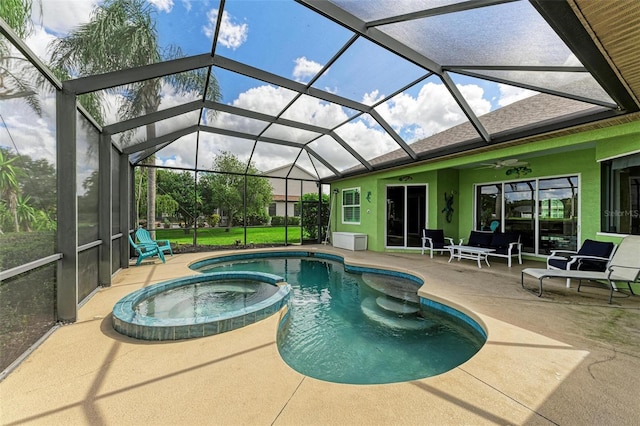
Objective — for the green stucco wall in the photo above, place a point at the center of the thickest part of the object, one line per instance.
(570, 155)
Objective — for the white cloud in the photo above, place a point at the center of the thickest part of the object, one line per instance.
(266, 99)
(431, 111)
(61, 16)
(186, 4)
(162, 5)
(39, 41)
(232, 35)
(32, 135)
(372, 97)
(305, 69)
(511, 94)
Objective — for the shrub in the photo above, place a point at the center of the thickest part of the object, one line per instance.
(279, 221)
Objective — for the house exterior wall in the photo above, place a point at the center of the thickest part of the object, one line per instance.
(293, 189)
(577, 154)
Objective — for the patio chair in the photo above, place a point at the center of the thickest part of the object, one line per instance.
(624, 266)
(434, 240)
(144, 250)
(592, 256)
(145, 237)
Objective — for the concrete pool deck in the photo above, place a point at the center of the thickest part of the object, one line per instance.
(566, 358)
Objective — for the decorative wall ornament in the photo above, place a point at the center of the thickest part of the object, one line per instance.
(368, 197)
(405, 178)
(518, 171)
(448, 209)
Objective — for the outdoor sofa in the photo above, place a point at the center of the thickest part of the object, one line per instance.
(504, 244)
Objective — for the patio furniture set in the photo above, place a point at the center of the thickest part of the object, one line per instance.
(595, 261)
(480, 245)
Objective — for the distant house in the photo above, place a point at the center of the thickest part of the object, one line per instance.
(286, 198)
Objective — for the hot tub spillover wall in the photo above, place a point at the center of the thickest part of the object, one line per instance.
(126, 321)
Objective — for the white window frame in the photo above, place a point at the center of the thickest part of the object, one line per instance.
(353, 206)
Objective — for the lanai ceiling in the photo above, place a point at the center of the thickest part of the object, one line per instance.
(345, 87)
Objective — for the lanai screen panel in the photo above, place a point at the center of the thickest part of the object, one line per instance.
(252, 94)
(120, 103)
(372, 10)
(318, 112)
(578, 84)
(293, 41)
(428, 108)
(181, 153)
(268, 156)
(211, 146)
(366, 137)
(338, 156)
(367, 73)
(140, 134)
(291, 134)
(234, 122)
(506, 34)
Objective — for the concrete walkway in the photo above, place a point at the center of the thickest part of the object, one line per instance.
(567, 358)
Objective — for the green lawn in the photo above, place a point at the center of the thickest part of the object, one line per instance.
(218, 236)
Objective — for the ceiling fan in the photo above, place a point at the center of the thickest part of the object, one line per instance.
(511, 162)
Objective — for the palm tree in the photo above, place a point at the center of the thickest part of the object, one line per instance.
(16, 73)
(9, 187)
(25, 214)
(122, 34)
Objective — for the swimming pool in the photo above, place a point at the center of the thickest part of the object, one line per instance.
(359, 325)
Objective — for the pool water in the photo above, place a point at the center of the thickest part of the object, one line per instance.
(361, 328)
(205, 299)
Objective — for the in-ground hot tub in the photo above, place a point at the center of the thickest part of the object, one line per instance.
(200, 305)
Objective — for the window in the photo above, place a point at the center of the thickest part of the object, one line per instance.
(351, 205)
(544, 212)
(272, 209)
(621, 195)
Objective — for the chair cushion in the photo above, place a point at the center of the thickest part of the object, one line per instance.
(592, 265)
(436, 235)
(480, 239)
(596, 248)
(500, 240)
(559, 263)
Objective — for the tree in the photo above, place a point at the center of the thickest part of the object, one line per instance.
(226, 190)
(9, 187)
(122, 34)
(310, 211)
(16, 73)
(25, 213)
(181, 188)
(165, 204)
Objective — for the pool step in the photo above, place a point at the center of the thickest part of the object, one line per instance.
(399, 288)
(374, 312)
(396, 306)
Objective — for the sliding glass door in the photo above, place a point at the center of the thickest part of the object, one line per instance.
(543, 211)
(558, 212)
(406, 215)
(519, 212)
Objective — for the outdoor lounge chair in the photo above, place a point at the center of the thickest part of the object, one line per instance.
(145, 237)
(434, 240)
(592, 256)
(144, 250)
(623, 267)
